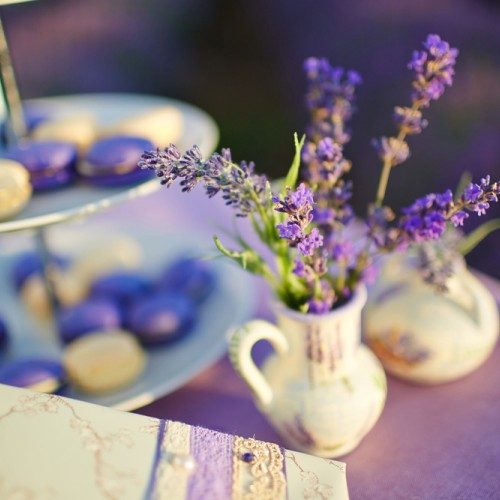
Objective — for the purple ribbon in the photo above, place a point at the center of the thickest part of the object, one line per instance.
(213, 474)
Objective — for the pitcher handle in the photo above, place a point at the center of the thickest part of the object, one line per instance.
(240, 353)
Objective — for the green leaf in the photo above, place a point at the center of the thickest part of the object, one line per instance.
(293, 173)
(248, 259)
(470, 241)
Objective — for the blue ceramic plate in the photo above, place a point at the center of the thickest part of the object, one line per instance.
(169, 366)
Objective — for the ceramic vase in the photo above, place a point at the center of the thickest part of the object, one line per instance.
(321, 389)
(424, 336)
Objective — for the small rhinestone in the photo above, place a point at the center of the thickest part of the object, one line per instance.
(179, 460)
(247, 457)
(184, 461)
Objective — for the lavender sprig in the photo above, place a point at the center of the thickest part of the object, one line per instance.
(326, 167)
(433, 71)
(427, 219)
(241, 188)
(330, 99)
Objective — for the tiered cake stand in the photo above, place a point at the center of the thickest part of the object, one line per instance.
(170, 366)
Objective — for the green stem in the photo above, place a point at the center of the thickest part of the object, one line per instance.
(341, 278)
(386, 169)
(382, 184)
(470, 241)
(266, 235)
(457, 208)
(269, 229)
(271, 278)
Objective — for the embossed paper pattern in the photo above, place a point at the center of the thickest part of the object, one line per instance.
(58, 448)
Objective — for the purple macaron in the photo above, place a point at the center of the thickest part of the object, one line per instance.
(4, 334)
(191, 276)
(38, 374)
(88, 316)
(29, 263)
(113, 161)
(161, 317)
(122, 286)
(51, 164)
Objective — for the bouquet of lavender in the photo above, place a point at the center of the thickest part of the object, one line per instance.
(318, 264)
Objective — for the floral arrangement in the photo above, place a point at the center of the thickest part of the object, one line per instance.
(318, 264)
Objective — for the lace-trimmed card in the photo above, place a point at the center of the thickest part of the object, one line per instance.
(58, 448)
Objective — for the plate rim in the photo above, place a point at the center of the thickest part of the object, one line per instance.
(210, 140)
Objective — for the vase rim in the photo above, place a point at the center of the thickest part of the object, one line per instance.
(357, 301)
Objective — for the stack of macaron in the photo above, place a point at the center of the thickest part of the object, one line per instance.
(106, 162)
(60, 150)
(121, 314)
(156, 312)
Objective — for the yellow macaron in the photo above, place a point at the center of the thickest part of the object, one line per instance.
(15, 188)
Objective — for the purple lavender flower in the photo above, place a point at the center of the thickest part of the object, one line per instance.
(328, 151)
(300, 269)
(458, 218)
(472, 193)
(319, 306)
(325, 167)
(327, 84)
(426, 218)
(324, 304)
(324, 216)
(298, 206)
(310, 242)
(325, 163)
(434, 69)
(343, 253)
(392, 150)
(477, 197)
(291, 231)
(297, 203)
(330, 99)
(409, 120)
(315, 267)
(239, 185)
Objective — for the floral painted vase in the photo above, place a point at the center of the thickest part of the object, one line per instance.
(426, 337)
(322, 390)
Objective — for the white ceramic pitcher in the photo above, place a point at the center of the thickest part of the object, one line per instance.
(425, 337)
(322, 390)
